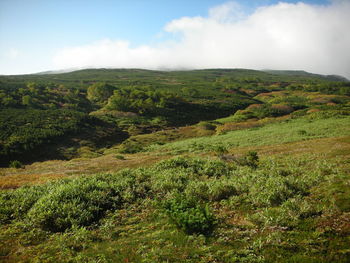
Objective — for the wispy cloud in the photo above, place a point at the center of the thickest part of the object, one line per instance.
(282, 36)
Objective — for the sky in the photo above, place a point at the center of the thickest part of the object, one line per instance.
(41, 35)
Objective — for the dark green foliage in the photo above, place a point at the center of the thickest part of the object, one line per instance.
(22, 131)
(267, 110)
(205, 95)
(191, 217)
(100, 92)
(130, 147)
(251, 159)
(143, 100)
(32, 95)
(28, 135)
(15, 164)
(336, 87)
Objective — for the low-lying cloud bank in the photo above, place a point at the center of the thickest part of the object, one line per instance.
(283, 36)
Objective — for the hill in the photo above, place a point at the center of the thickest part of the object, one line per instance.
(179, 98)
(217, 165)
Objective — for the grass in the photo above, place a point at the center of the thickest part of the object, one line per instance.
(271, 134)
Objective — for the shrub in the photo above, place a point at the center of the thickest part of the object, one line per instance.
(205, 125)
(16, 203)
(167, 182)
(15, 164)
(210, 168)
(130, 147)
(180, 162)
(119, 157)
(191, 217)
(252, 159)
(289, 213)
(79, 202)
(211, 190)
(220, 150)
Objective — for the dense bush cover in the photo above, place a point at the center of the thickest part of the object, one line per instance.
(25, 133)
(33, 95)
(83, 201)
(182, 194)
(143, 100)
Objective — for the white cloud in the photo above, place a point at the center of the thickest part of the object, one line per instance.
(12, 53)
(227, 12)
(283, 36)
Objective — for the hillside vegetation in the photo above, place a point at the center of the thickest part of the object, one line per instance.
(213, 165)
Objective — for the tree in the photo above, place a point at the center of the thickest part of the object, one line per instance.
(142, 100)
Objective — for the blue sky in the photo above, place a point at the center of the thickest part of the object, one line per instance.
(34, 32)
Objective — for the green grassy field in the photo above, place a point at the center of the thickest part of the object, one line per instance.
(276, 133)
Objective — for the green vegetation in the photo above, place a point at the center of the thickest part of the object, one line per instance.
(141, 102)
(242, 212)
(99, 93)
(204, 166)
(16, 164)
(190, 216)
(291, 130)
(25, 133)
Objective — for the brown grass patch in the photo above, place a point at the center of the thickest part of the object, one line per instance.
(325, 148)
(37, 173)
(17, 180)
(252, 123)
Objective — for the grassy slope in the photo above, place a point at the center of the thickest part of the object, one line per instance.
(266, 138)
(142, 232)
(275, 133)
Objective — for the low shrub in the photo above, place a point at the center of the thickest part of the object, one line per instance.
(130, 147)
(119, 157)
(251, 159)
(16, 164)
(191, 217)
(211, 190)
(79, 202)
(207, 125)
(210, 168)
(16, 203)
(288, 214)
